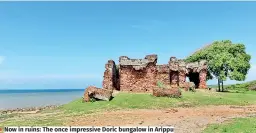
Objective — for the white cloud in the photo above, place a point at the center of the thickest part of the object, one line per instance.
(2, 58)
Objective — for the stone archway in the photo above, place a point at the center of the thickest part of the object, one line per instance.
(194, 77)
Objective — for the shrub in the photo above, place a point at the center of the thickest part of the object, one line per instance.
(243, 86)
(252, 88)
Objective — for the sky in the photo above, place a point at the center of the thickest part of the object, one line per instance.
(58, 45)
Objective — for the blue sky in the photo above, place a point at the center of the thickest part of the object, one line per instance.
(66, 44)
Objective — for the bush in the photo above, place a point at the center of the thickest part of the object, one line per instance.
(252, 88)
(242, 87)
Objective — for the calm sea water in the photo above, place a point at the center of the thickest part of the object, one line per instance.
(11, 99)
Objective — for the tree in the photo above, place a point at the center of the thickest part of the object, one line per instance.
(225, 60)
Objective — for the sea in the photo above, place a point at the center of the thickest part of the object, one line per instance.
(12, 99)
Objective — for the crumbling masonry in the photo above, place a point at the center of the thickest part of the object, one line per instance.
(142, 75)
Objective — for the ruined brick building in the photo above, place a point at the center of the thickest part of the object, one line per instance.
(142, 75)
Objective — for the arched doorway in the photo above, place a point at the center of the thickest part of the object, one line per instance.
(194, 77)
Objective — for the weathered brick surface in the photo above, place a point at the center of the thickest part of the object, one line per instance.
(174, 78)
(167, 92)
(141, 75)
(182, 72)
(137, 75)
(173, 64)
(110, 78)
(202, 79)
(163, 74)
(200, 70)
(97, 93)
(174, 71)
(188, 85)
(182, 78)
(143, 80)
(151, 58)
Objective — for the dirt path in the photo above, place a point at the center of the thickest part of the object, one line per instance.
(185, 120)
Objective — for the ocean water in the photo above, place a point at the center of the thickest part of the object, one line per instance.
(11, 99)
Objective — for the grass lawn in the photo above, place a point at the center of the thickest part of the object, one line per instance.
(64, 113)
(239, 125)
(146, 101)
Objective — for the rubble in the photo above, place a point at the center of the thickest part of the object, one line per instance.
(188, 86)
(167, 92)
(93, 92)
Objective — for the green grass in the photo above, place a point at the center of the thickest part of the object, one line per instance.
(122, 101)
(221, 98)
(6, 116)
(239, 125)
(33, 121)
(242, 87)
(147, 101)
(128, 101)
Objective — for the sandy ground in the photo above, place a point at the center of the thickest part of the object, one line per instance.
(184, 120)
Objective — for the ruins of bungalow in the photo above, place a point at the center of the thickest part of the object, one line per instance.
(142, 75)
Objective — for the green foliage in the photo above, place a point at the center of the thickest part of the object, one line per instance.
(242, 87)
(92, 100)
(6, 116)
(225, 60)
(34, 120)
(238, 125)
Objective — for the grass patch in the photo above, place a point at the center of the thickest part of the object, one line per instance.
(220, 98)
(121, 101)
(242, 87)
(147, 101)
(37, 121)
(56, 117)
(6, 116)
(239, 125)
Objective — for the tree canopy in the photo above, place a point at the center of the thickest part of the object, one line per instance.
(225, 60)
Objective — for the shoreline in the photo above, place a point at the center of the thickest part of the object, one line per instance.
(22, 101)
(27, 109)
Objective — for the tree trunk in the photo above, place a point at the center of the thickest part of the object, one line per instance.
(219, 84)
(222, 85)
